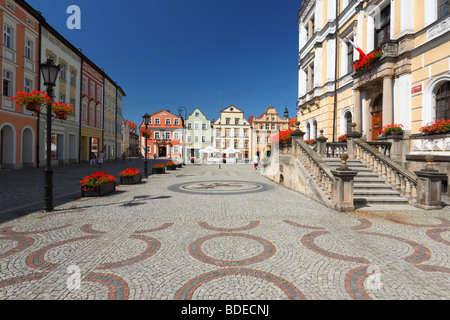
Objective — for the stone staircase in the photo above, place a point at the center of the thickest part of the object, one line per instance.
(369, 188)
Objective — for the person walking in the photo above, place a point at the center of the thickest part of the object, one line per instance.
(255, 161)
(100, 159)
(92, 160)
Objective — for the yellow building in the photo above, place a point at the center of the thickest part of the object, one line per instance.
(232, 130)
(409, 84)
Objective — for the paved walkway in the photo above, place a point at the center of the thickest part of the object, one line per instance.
(205, 233)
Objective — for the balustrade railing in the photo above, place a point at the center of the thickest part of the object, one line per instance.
(316, 167)
(382, 146)
(398, 177)
(335, 149)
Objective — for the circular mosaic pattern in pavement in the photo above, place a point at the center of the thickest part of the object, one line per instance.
(221, 250)
(224, 187)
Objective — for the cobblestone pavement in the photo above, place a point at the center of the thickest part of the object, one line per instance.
(210, 233)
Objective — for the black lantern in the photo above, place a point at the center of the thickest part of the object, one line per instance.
(146, 118)
(50, 73)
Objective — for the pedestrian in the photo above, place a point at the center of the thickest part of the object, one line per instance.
(100, 159)
(92, 160)
(255, 161)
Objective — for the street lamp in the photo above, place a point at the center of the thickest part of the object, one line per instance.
(181, 108)
(146, 118)
(50, 73)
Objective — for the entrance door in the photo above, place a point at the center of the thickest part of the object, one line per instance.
(377, 117)
(162, 151)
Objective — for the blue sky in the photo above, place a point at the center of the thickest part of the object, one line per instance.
(171, 53)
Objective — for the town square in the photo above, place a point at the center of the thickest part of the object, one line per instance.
(127, 176)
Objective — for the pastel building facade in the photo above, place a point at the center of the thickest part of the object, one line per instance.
(198, 135)
(120, 94)
(264, 127)
(65, 134)
(19, 63)
(91, 111)
(167, 136)
(232, 130)
(109, 123)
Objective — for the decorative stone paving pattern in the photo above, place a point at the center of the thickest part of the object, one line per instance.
(435, 234)
(308, 241)
(20, 279)
(118, 289)
(196, 251)
(354, 283)
(153, 246)
(162, 227)
(186, 292)
(301, 225)
(251, 225)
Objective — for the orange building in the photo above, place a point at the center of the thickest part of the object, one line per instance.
(20, 69)
(167, 135)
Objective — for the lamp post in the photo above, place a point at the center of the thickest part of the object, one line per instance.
(146, 118)
(50, 73)
(181, 108)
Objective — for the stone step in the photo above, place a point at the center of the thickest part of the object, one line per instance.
(379, 200)
(368, 185)
(375, 192)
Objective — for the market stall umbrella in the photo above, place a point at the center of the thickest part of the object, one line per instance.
(231, 150)
(209, 149)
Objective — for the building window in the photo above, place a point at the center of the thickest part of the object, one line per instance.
(218, 145)
(383, 33)
(73, 77)
(189, 126)
(175, 149)
(227, 133)
(29, 49)
(84, 112)
(196, 126)
(197, 114)
(8, 36)
(63, 72)
(236, 145)
(176, 136)
(227, 121)
(443, 102)
(84, 85)
(177, 123)
(218, 133)
(236, 133)
(196, 139)
(236, 121)
(443, 8)
(92, 93)
(349, 57)
(168, 121)
(203, 126)
(203, 139)
(167, 135)
(156, 135)
(7, 83)
(157, 121)
(189, 139)
(62, 98)
(28, 85)
(72, 102)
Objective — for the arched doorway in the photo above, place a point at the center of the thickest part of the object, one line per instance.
(348, 122)
(7, 147)
(377, 117)
(27, 147)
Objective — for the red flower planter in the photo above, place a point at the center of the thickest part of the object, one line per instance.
(33, 106)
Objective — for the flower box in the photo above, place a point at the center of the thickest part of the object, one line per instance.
(158, 170)
(98, 184)
(171, 165)
(99, 190)
(31, 101)
(130, 179)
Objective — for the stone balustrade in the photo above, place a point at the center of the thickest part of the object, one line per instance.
(401, 179)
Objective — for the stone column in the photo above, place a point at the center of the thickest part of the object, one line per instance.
(357, 112)
(387, 101)
(343, 186)
(429, 186)
(297, 135)
(351, 136)
(322, 145)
